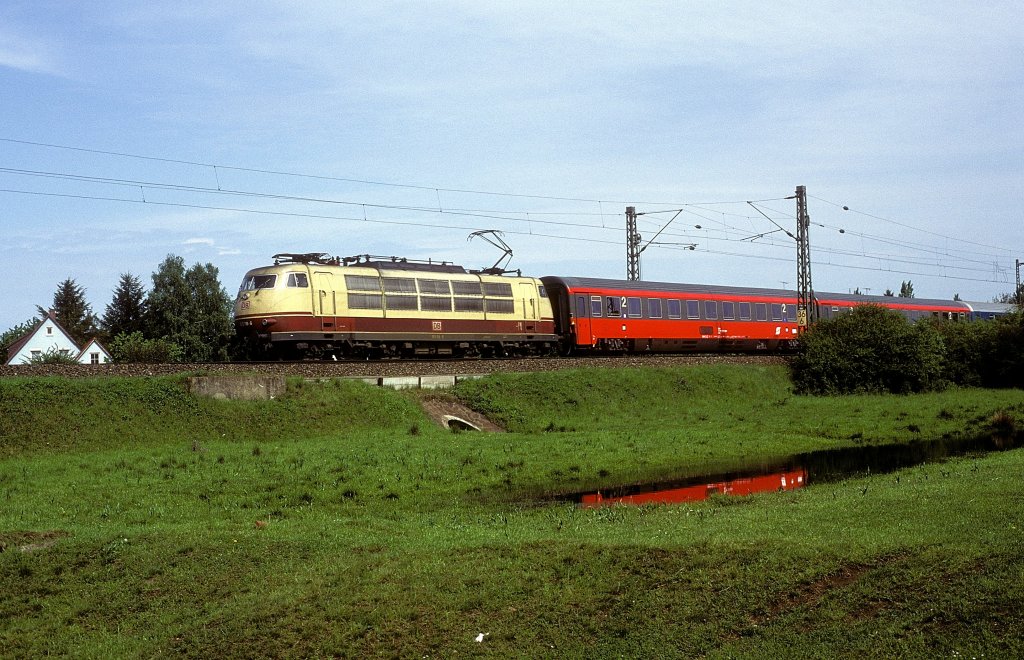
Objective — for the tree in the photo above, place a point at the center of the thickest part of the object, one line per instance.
(190, 309)
(12, 335)
(888, 293)
(956, 297)
(72, 311)
(126, 312)
(907, 289)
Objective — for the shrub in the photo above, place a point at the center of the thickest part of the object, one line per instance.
(53, 355)
(136, 348)
(871, 349)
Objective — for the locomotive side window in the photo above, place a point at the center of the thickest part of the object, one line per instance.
(744, 311)
(466, 288)
(439, 287)
(259, 282)
(654, 308)
(298, 280)
(728, 310)
(466, 305)
(614, 306)
(595, 306)
(502, 289)
(692, 309)
(499, 306)
(543, 291)
(362, 283)
(776, 311)
(364, 300)
(711, 309)
(437, 304)
(675, 309)
(400, 302)
(761, 311)
(399, 284)
(634, 308)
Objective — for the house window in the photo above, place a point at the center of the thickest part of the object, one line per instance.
(36, 354)
(94, 358)
(49, 330)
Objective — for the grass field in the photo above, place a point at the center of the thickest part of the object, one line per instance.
(136, 520)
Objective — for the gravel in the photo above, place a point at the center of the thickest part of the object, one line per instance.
(381, 368)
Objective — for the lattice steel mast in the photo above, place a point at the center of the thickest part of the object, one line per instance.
(632, 246)
(806, 308)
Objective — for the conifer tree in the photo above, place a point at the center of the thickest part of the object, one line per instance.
(72, 311)
(127, 309)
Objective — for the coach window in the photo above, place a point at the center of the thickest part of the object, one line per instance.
(654, 308)
(744, 311)
(692, 309)
(711, 309)
(581, 306)
(728, 310)
(761, 311)
(776, 311)
(298, 280)
(675, 309)
(634, 307)
(595, 306)
(613, 305)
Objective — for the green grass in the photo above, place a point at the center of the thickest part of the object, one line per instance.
(339, 521)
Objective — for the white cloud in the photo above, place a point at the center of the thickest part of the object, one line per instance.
(27, 54)
(198, 241)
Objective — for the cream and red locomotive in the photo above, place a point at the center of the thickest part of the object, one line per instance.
(320, 307)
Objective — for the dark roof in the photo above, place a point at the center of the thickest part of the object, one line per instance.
(710, 289)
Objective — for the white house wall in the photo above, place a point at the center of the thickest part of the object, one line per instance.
(47, 337)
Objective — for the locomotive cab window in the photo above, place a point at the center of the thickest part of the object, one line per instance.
(259, 282)
(298, 280)
(542, 290)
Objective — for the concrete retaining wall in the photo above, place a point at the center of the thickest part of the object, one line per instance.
(248, 388)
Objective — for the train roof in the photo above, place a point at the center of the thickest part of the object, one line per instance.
(991, 307)
(710, 289)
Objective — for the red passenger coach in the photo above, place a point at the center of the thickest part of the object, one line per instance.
(625, 316)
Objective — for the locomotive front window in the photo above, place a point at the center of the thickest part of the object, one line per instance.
(298, 280)
(255, 282)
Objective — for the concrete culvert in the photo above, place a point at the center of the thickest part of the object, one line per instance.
(458, 424)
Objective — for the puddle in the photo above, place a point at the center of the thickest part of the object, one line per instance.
(795, 471)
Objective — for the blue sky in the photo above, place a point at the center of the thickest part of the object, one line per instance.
(227, 132)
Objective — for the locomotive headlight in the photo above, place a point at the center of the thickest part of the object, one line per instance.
(245, 296)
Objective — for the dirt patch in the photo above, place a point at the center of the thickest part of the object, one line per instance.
(451, 414)
(29, 541)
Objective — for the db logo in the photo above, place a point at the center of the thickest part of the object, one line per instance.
(245, 304)
(437, 326)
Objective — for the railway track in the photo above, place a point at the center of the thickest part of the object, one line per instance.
(383, 368)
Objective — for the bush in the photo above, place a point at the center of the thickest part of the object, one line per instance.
(53, 355)
(871, 349)
(136, 348)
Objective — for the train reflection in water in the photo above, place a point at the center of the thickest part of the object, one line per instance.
(704, 488)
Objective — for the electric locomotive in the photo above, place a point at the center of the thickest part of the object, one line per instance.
(321, 307)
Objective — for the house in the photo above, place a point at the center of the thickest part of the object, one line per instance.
(50, 337)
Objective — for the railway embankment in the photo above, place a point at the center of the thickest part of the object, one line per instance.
(338, 520)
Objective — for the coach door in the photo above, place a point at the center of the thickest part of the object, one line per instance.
(325, 304)
(581, 318)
